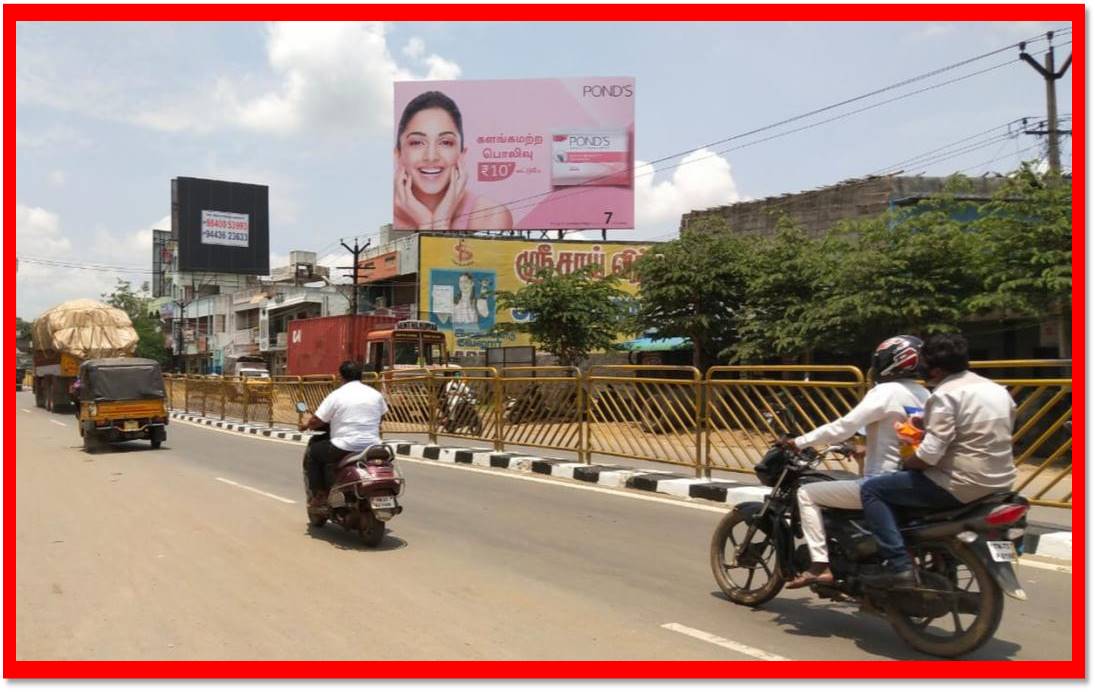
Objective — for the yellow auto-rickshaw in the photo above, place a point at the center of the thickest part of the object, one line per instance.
(121, 399)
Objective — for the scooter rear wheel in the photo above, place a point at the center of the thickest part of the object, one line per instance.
(371, 529)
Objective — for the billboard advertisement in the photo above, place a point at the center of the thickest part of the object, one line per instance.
(458, 278)
(514, 154)
(221, 226)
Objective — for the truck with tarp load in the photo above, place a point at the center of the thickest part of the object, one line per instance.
(65, 336)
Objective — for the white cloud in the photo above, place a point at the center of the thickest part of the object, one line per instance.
(702, 180)
(327, 77)
(415, 48)
(38, 233)
(441, 69)
(333, 77)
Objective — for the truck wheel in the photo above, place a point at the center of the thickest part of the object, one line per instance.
(49, 399)
(156, 442)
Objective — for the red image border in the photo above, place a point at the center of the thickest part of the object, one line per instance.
(1074, 667)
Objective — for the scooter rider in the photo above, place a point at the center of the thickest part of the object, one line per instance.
(896, 396)
(966, 453)
(353, 413)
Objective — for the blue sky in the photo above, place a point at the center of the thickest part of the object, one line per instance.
(107, 114)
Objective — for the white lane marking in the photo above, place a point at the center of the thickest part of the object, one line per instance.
(25, 410)
(63, 425)
(724, 643)
(577, 485)
(1038, 564)
(260, 492)
(499, 473)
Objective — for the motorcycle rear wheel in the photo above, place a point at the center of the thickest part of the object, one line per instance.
(757, 580)
(968, 590)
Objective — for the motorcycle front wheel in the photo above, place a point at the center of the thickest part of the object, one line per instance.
(956, 607)
(754, 579)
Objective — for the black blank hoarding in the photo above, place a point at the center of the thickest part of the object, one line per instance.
(221, 226)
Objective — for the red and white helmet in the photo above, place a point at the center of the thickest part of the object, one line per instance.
(896, 358)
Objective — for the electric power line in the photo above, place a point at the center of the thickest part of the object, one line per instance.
(795, 118)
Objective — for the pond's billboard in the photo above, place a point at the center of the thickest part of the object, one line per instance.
(515, 154)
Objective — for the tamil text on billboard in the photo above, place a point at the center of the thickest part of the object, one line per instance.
(221, 226)
(514, 154)
(459, 277)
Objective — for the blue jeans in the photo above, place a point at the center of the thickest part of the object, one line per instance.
(901, 489)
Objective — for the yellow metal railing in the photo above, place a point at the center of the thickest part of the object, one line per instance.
(747, 407)
(651, 418)
(1042, 437)
(542, 407)
(722, 421)
(411, 401)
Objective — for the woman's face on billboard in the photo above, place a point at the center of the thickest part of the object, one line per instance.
(429, 148)
(466, 284)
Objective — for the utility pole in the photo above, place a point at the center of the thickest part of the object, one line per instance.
(1050, 74)
(356, 251)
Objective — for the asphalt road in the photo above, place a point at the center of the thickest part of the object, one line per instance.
(200, 550)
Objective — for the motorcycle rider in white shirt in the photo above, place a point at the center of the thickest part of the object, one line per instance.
(896, 397)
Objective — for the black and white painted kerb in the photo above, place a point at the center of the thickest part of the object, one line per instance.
(1039, 541)
(289, 435)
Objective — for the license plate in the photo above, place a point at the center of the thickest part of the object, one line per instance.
(1002, 551)
(130, 426)
(382, 502)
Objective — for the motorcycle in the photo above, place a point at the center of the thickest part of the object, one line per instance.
(364, 491)
(962, 557)
(459, 411)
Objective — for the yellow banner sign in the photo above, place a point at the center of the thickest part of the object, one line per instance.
(459, 276)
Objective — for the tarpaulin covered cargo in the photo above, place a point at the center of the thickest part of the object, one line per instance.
(85, 329)
(317, 346)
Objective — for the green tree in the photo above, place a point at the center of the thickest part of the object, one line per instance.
(573, 314)
(22, 329)
(150, 340)
(695, 287)
(907, 272)
(1025, 246)
(784, 277)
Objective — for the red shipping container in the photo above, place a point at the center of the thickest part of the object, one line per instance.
(317, 346)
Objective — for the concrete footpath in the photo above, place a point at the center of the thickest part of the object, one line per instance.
(1048, 533)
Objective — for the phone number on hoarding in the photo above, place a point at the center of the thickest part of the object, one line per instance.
(223, 235)
(225, 223)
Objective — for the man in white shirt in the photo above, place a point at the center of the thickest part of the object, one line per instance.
(965, 455)
(352, 412)
(896, 396)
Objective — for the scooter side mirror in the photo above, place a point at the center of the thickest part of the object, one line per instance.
(302, 407)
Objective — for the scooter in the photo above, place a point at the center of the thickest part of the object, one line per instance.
(363, 494)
